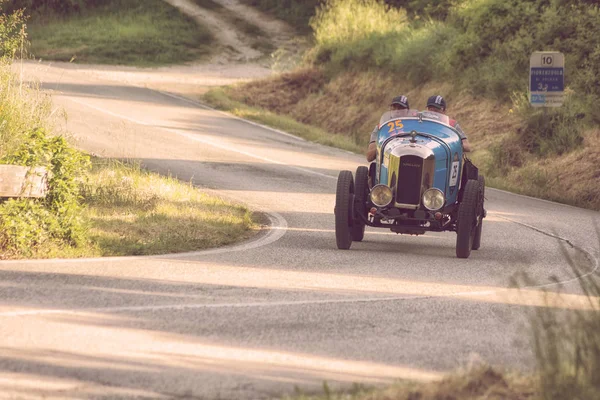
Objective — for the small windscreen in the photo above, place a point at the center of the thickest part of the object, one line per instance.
(425, 115)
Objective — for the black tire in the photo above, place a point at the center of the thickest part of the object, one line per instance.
(361, 192)
(344, 210)
(478, 230)
(467, 219)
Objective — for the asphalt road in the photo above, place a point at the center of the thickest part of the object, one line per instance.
(286, 309)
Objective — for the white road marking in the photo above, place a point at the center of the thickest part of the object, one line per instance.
(201, 305)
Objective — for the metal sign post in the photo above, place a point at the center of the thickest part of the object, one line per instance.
(547, 79)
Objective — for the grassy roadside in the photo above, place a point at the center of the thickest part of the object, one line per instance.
(135, 212)
(129, 211)
(125, 32)
(222, 99)
(479, 382)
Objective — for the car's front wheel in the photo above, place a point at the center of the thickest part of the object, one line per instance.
(361, 192)
(344, 210)
(467, 219)
(478, 230)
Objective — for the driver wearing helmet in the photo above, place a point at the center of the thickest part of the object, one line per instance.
(438, 104)
(398, 103)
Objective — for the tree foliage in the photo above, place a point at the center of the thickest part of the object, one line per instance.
(58, 6)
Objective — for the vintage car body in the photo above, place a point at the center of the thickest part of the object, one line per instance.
(432, 159)
(418, 184)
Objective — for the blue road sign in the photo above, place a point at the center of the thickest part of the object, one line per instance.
(547, 80)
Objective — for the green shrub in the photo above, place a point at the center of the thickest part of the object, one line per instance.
(436, 9)
(12, 33)
(58, 6)
(505, 155)
(551, 131)
(24, 225)
(368, 33)
(342, 22)
(58, 215)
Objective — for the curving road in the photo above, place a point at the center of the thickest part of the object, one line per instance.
(286, 309)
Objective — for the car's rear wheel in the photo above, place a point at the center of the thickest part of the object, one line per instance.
(467, 219)
(477, 238)
(361, 192)
(344, 210)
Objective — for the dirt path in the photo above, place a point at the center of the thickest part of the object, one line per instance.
(237, 45)
(278, 31)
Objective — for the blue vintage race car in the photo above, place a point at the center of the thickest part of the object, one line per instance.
(419, 182)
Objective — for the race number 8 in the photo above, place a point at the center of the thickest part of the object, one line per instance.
(454, 174)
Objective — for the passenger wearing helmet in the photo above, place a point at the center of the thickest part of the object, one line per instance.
(398, 103)
(438, 104)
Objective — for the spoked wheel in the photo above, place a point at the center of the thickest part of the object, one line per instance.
(361, 191)
(344, 210)
(477, 238)
(467, 219)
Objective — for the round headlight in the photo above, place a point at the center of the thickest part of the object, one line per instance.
(433, 199)
(381, 195)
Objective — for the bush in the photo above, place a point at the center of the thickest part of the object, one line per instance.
(368, 33)
(342, 23)
(24, 225)
(551, 132)
(59, 6)
(505, 155)
(60, 218)
(12, 33)
(437, 9)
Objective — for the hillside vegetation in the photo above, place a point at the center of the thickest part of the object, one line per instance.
(126, 32)
(473, 52)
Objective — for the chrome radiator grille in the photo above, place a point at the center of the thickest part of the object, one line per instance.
(410, 175)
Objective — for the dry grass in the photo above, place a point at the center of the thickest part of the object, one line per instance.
(571, 178)
(476, 383)
(134, 212)
(280, 94)
(221, 99)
